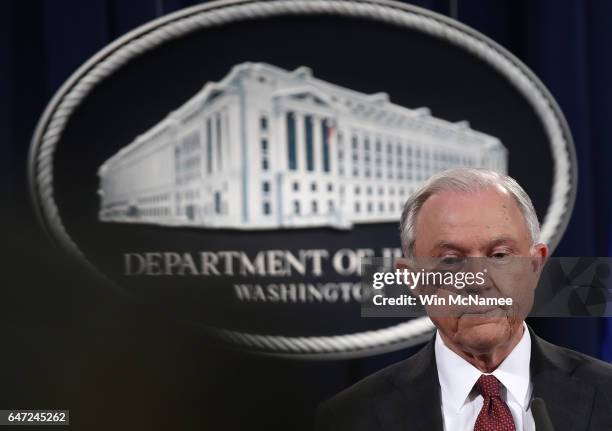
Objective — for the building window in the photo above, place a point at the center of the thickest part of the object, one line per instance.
(357, 190)
(217, 203)
(265, 186)
(355, 156)
(265, 164)
(209, 145)
(296, 186)
(314, 207)
(330, 187)
(219, 143)
(296, 207)
(266, 208)
(330, 206)
(291, 146)
(313, 186)
(325, 132)
(357, 207)
(308, 126)
(369, 207)
(339, 140)
(263, 122)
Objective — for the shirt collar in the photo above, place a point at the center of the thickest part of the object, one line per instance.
(457, 376)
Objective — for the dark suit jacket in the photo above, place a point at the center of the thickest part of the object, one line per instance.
(405, 396)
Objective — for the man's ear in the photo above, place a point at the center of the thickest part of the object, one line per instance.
(410, 265)
(403, 263)
(540, 253)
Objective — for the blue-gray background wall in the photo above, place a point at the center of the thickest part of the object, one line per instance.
(69, 343)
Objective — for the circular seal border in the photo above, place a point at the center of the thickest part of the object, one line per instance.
(146, 37)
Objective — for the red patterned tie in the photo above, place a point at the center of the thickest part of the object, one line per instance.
(495, 414)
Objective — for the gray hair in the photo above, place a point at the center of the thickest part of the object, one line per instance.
(465, 180)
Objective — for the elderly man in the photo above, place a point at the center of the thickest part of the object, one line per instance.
(478, 372)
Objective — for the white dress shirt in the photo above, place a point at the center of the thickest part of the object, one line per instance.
(461, 404)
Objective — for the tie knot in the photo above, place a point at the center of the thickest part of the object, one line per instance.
(488, 386)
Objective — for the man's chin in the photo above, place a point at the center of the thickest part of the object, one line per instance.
(483, 333)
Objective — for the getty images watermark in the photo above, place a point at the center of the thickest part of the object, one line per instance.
(443, 280)
(487, 287)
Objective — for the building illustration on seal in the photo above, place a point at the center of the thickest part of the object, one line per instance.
(267, 148)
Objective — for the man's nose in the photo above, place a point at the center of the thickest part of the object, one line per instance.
(477, 264)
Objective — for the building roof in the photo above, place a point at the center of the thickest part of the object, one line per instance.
(301, 80)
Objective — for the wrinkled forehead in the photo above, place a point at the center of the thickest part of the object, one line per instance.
(472, 219)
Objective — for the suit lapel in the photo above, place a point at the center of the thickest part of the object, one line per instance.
(414, 405)
(568, 399)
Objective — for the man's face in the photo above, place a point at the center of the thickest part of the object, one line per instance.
(489, 225)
